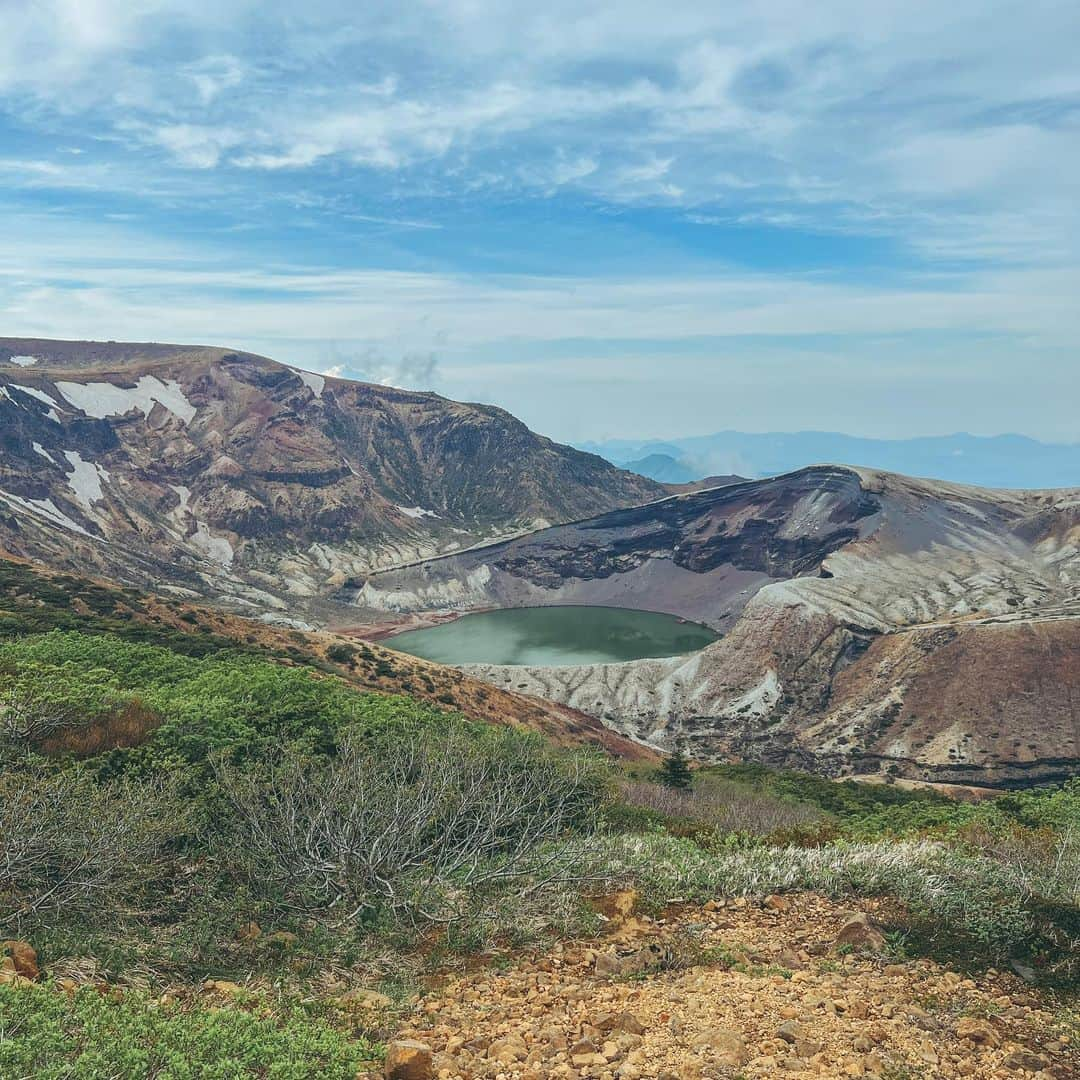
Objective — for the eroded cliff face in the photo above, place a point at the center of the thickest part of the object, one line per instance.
(872, 622)
(227, 474)
(701, 555)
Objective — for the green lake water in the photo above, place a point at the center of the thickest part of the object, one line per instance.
(554, 636)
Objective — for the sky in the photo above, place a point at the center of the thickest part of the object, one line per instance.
(615, 219)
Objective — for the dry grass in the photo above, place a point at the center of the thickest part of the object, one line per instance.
(722, 805)
(128, 726)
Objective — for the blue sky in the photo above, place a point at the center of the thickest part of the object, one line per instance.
(615, 219)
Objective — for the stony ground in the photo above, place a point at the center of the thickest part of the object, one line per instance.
(794, 985)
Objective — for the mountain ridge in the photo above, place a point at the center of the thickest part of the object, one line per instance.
(228, 473)
(864, 616)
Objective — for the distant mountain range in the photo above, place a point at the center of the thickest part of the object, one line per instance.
(999, 461)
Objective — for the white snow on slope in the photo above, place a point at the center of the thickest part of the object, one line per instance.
(417, 512)
(39, 449)
(101, 400)
(24, 361)
(85, 480)
(213, 547)
(315, 383)
(34, 392)
(40, 395)
(44, 508)
(184, 495)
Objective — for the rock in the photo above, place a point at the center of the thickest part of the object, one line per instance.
(862, 933)
(1025, 971)
(790, 959)
(1025, 1060)
(407, 1059)
(607, 963)
(624, 1021)
(790, 1031)
(24, 961)
(728, 1045)
(974, 1030)
(649, 958)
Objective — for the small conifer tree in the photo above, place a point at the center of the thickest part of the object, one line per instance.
(675, 771)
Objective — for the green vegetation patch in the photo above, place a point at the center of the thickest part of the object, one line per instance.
(191, 706)
(49, 1035)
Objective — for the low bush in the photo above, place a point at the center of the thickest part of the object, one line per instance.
(50, 1036)
(716, 805)
(425, 828)
(73, 847)
(186, 707)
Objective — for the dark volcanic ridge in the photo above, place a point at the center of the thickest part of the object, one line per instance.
(872, 623)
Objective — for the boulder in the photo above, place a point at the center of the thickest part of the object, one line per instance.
(1022, 1060)
(650, 957)
(727, 1045)
(974, 1030)
(407, 1059)
(23, 959)
(861, 933)
(623, 1021)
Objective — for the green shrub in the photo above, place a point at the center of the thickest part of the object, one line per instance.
(226, 702)
(47, 1035)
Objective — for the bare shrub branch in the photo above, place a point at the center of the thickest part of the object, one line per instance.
(68, 842)
(30, 715)
(415, 826)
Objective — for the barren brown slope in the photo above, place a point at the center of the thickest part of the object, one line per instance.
(236, 477)
(871, 622)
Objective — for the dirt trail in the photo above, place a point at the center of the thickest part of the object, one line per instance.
(749, 991)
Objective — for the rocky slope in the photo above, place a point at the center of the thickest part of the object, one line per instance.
(791, 985)
(871, 622)
(227, 474)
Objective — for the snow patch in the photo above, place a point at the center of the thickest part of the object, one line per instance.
(44, 508)
(23, 361)
(39, 449)
(315, 383)
(417, 512)
(213, 547)
(184, 508)
(34, 392)
(85, 479)
(101, 400)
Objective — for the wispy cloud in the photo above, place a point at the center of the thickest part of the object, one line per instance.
(455, 179)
